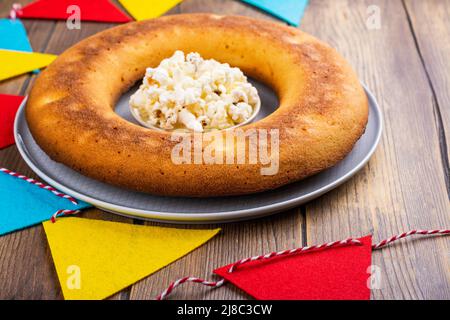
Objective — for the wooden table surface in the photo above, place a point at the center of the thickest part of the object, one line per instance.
(406, 63)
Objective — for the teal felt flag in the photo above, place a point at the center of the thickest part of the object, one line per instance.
(290, 11)
(23, 204)
(13, 35)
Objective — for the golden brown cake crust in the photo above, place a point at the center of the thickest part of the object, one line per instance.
(323, 108)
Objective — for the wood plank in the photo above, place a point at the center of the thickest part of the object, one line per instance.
(403, 185)
(430, 22)
(237, 240)
(399, 189)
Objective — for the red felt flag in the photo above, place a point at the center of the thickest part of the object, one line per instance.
(90, 10)
(339, 273)
(8, 108)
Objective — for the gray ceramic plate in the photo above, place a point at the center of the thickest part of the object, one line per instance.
(187, 210)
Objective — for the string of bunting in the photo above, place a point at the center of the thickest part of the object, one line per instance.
(324, 246)
(290, 11)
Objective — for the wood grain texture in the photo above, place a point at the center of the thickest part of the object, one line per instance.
(430, 23)
(403, 186)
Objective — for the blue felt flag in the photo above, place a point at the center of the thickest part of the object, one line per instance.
(23, 204)
(290, 11)
(13, 36)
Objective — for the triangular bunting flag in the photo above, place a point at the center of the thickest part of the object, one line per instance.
(290, 11)
(95, 259)
(8, 108)
(13, 36)
(14, 63)
(329, 274)
(97, 10)
(148, 9)
(24, 203)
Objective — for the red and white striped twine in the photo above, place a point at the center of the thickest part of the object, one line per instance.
(407, 234)
(39, 184)
(63, 212)
(346, 242)
(324, 246)
(173, 285)
(16, 8)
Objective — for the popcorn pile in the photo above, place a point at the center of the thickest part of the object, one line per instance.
(193, 93)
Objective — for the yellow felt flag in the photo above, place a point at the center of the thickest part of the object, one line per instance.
(148, 9)
(14, 63)
(95, 259)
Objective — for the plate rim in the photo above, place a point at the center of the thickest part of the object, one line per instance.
(223, 216)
